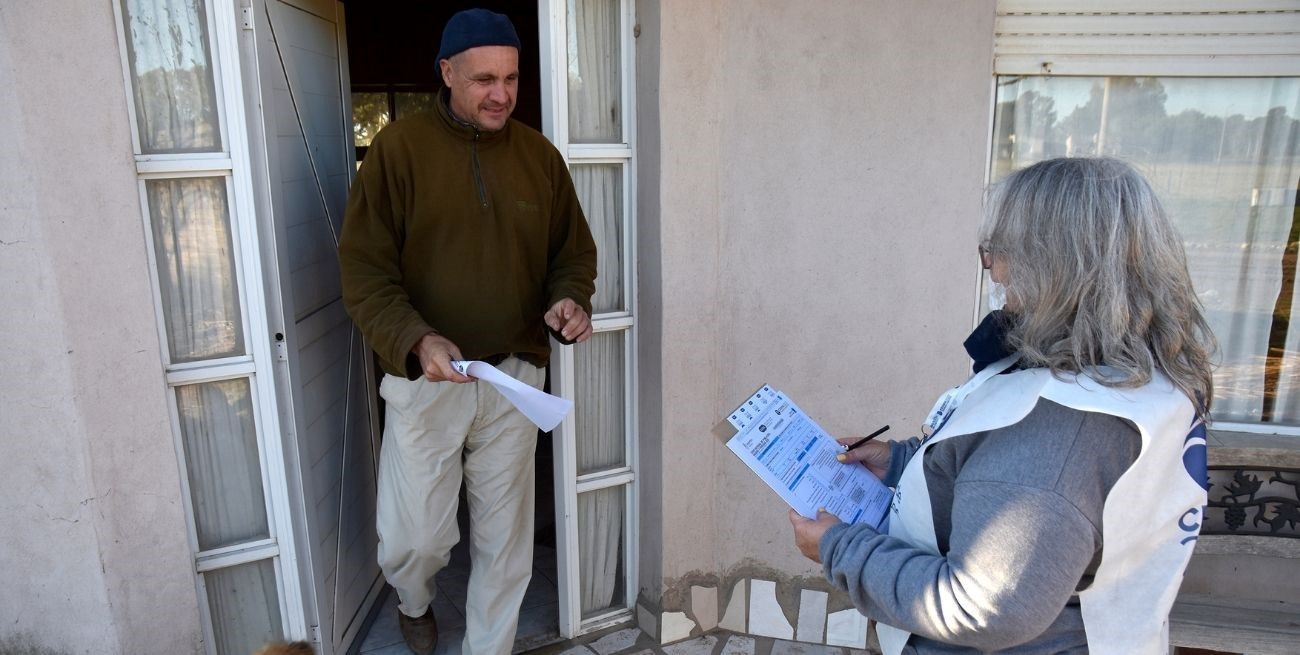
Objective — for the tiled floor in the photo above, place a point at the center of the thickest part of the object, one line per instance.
(631, 641)
(538, 618)
(624, 640)
(538, 624)
(538, 632)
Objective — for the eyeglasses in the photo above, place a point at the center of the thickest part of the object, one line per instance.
(986, 260)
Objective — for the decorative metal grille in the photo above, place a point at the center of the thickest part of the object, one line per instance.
(1254, 501)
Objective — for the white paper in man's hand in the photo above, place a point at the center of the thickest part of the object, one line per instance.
(543, 409)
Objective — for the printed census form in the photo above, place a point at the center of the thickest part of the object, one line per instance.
(796, 457)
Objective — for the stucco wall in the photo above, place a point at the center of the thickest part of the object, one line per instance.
(93, 548)
(813, 227)
(680, 274)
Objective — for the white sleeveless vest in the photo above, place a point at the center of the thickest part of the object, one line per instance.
(1149, 529)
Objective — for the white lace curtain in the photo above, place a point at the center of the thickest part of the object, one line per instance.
(245, 607)
(221, 457)
(175, 97)
(596, 117)
(600, 188)
(1224, 157)
(196, 268)
(595, 85)
(599, 376)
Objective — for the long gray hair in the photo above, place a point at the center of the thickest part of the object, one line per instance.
(1098, 276)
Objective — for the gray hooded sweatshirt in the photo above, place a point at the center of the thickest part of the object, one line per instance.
(1017, 517)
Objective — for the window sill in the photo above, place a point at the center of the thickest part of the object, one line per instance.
(1244, 449)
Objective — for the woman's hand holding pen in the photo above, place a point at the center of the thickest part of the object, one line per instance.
(874, 455)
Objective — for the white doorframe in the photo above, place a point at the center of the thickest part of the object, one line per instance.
(554, 68)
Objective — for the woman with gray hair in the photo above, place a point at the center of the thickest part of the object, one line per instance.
(1052, 503)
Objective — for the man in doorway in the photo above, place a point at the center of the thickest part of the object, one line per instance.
(463, 239)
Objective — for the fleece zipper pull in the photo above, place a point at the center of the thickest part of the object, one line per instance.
(478, 173)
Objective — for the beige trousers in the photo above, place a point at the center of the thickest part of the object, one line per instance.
(435, 433)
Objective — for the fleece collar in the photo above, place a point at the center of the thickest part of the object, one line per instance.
(460, 128)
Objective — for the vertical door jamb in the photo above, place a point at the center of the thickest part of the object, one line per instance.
(553, 60)
(227, 40)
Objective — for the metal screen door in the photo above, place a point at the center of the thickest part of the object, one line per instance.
(323, 372)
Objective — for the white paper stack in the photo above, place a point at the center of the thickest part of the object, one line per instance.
(543, 409)
(796, 458)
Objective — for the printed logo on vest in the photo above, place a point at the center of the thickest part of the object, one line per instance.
(1194, 460)
(527, 207)
(1194, 455)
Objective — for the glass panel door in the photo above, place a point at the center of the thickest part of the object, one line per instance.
(170, 59)
(587, 113)
(600, 380)
(245, 606)
(194, 186)
(594, 71)
(600, 190)
(196, 267)
(600, 548)
(225, 477)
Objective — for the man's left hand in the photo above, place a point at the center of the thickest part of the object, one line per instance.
(808, 533)
(570, 320)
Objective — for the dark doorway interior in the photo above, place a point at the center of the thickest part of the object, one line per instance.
(392, 46)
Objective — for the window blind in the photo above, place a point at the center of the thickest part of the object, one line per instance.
(1245, 38)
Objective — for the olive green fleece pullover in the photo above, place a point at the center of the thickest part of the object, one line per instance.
(470, 234)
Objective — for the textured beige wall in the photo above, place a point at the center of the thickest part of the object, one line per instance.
(93, 547)
(680, 69)
(813, 227)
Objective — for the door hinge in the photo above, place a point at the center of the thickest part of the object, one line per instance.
(246, 18)
(315, 634)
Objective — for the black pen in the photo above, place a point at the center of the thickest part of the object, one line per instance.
(867, 438)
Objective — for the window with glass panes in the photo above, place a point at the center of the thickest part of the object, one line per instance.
(375, 107)
(193, 181)
(1206, 103)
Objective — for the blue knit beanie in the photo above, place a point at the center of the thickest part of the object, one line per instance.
(473, 28)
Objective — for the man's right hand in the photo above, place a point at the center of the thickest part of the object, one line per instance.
(875, 455)
(435, 353)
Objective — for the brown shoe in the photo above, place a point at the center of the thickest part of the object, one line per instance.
(421, 634)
